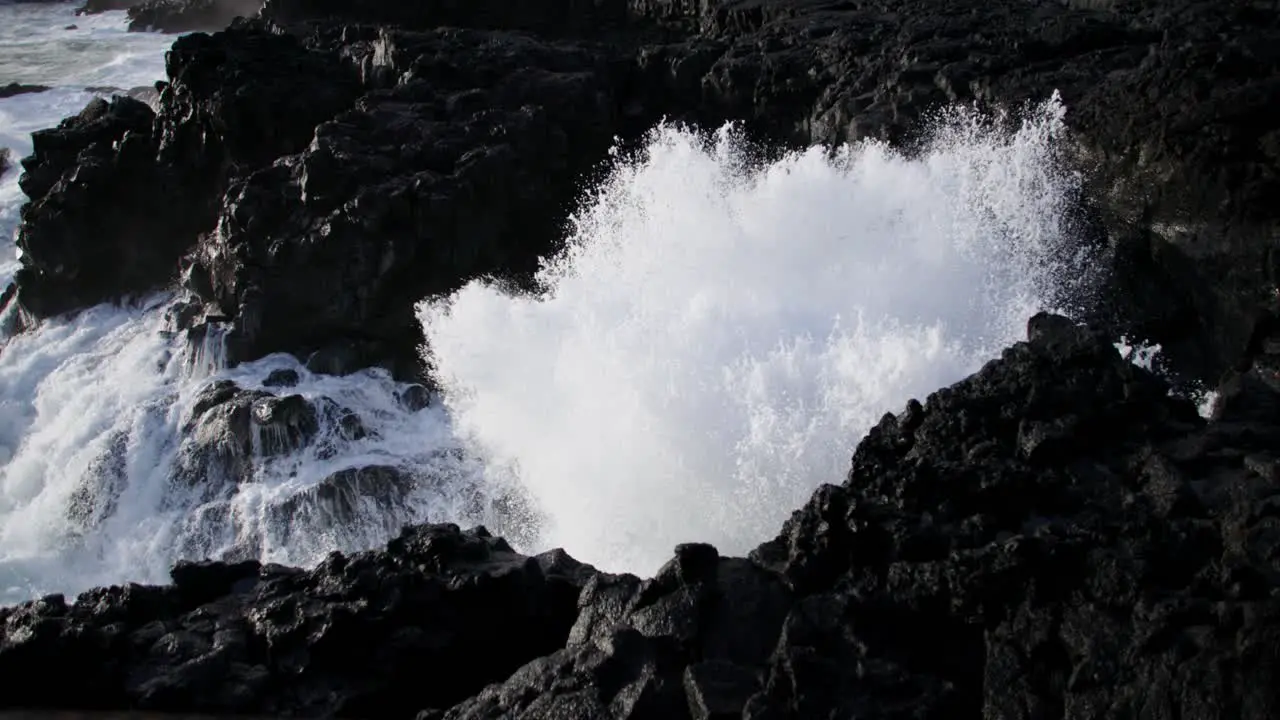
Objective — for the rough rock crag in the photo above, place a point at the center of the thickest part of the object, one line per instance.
(355, 636)
(385, 134)
(175, 16)
(1054, 536)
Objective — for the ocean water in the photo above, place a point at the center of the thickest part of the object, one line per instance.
(717, 338)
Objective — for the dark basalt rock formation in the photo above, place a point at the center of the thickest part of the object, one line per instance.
(429, 620)
(1054, 536)
(400, 149)
(72, 180)
(4, 164)
(454, 201)
(175, 16)
(93, 7)
(178, 16)
(15, 89)
(142, 184)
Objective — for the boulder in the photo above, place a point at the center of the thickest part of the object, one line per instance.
(363, 494)
(14, 89)
(414, 398)
(285, 377)
(230, 430)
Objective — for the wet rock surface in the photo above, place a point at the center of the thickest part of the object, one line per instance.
(456, 607)
(14, 89)
(179, 16)
(230, 430)
(175, 16)
(336, 162)
(143, 184)
(1054, 536)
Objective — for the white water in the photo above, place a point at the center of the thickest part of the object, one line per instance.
(98, 402)
(721, 335)
(711, 349)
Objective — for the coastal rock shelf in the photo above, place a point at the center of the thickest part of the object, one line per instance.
(1054, 536)
(406, 148)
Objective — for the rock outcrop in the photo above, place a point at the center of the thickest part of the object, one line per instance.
(179, 16)
(72, 181)
(1054, 536)
(93, 7)
(228, 108)
(14, 89)
(175, 16)
(407, 143)
(429, 621)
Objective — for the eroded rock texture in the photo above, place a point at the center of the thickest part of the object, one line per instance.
(389, 151)
(1054, 536)
(175, 16)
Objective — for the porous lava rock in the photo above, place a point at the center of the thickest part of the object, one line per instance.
(336, 162)
(1054, 536)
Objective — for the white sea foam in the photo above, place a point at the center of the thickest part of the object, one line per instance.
(712, 347)
(92, 449)
(93, 407)
(720, 335)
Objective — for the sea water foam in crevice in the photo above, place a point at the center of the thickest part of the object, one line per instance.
(100, 429)
(719, 335)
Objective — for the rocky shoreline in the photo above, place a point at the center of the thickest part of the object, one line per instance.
(1055, 536)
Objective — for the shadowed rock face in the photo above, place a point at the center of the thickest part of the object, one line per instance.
(365, 146)
(459, 608)
(177, 16)
(1053, 536)
(13, 89)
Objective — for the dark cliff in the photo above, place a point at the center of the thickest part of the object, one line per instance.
(1055, 536)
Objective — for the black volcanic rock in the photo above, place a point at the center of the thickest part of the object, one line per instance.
(230, 430)
(178, 16)
(14, 89)
(489, 130)
(286, 377)
(1053, 535)
(552, 18)
(4, 168)
(234, 103)
(72, 198)
(1172, 106)
(93, 7)
(427, 621)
